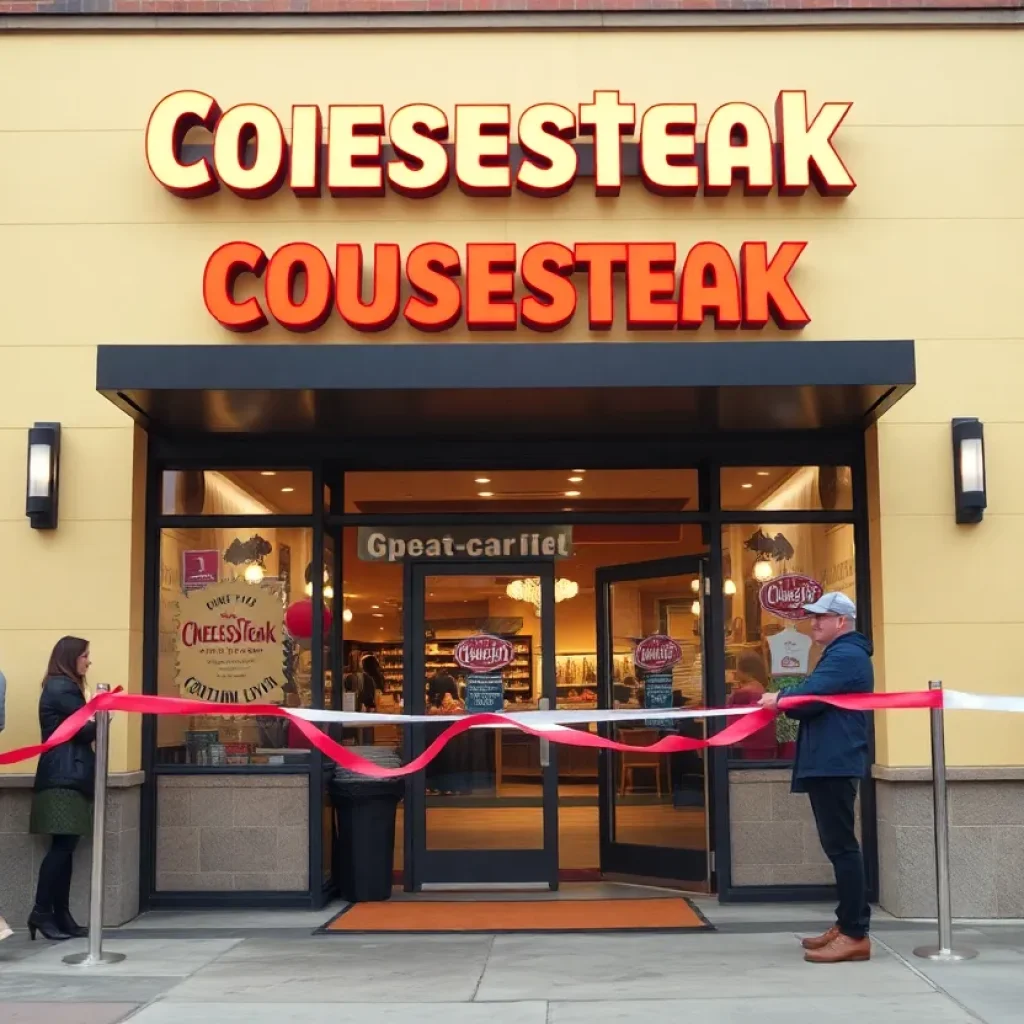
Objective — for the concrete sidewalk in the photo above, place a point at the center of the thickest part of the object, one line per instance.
(266, 967)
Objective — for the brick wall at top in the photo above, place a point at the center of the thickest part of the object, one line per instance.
(436, 6)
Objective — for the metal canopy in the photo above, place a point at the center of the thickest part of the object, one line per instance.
(604, 389)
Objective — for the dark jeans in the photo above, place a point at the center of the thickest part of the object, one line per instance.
(53, 893)
(832, 801)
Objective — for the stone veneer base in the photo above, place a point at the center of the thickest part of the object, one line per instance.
(22, 853)
(986, 841)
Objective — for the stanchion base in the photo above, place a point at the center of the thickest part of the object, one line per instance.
(945, 956)
(88, 960)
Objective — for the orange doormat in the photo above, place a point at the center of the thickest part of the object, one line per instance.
(670, 913)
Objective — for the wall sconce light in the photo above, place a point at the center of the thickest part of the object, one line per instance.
(43, 476)
(969, 470)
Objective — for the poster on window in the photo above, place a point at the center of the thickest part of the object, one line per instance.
(654, 657)
(484, 656)
(229, 644)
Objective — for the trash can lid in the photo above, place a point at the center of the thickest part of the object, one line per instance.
(386, 757)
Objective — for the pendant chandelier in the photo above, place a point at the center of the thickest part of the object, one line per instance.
(529, 590)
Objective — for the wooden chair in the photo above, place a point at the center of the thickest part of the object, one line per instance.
(631, 760)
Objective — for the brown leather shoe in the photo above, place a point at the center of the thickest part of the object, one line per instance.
(820, 941)
(842, 949)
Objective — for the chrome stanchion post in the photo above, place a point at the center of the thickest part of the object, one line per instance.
(95, 957)
(944, 951)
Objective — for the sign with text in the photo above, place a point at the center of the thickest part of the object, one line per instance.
(357, 152)
(230, 644)
(786, 595)
(655, 656)
(199, 569)
(484, 656)
(399, 543)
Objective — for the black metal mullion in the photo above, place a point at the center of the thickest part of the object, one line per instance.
(150, 684)
(316, 771)
(235, 522)
(549, 775)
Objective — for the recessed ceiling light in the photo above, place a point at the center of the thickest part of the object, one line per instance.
(268, 472)
(579, 471)
(572, 494)
(763, 472)
(567, 509)
(482, 480)
(378, 615)
(287, 490)
(575, 479)
(375, 606)
(486, 494)
(382, 629)
(746, 487)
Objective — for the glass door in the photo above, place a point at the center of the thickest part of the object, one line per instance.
(480, 637)
(654, 814)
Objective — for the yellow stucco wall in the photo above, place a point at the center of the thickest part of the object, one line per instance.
(928, 247)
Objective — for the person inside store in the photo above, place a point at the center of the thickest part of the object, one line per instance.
(751, 685)
(363, 681)
(63, 791)
(831, 759)
(447, 773)
(5, 931)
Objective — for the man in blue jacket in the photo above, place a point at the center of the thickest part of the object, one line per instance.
(831, 759)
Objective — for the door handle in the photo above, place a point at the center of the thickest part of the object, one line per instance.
(544, 704)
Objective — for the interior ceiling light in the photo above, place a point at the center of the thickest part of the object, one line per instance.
(763, 570)
(347, 615)
(482, 480)
(529, 589)
(746, 487)
(695, 585)
(572, 494)
(378, 615)
(575, 479)
(287, 490)
(763, 472)
(268, 472)
(486, 494)
(579, 471)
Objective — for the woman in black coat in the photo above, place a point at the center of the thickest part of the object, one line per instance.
(62, 802)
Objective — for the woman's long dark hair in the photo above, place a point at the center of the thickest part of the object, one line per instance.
(64, 659)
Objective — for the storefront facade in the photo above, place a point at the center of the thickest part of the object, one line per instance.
(428, 357)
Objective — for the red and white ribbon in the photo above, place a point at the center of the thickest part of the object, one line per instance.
(551, 725)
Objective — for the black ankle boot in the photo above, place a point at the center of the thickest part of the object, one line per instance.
(66, 923)
(44, 923)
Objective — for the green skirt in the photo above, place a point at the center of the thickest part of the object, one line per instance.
(60, 812)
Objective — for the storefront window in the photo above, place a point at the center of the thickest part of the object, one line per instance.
(768, 572)
(236, 492)
(787, 488)
(485, 491)
(235, 627)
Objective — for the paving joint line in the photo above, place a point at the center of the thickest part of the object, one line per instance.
(483, 969)
(931, 982)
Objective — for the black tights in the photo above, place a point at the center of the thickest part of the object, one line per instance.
(53, 892)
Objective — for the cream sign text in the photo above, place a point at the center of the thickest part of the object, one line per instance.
(358, 152)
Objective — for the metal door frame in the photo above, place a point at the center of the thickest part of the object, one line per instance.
(671, 864)
(422, 865)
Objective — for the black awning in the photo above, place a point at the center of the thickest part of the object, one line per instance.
(525, 389)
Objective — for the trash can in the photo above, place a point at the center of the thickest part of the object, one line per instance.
(364, 828)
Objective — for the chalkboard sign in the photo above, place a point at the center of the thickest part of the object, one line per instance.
(485, 692)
